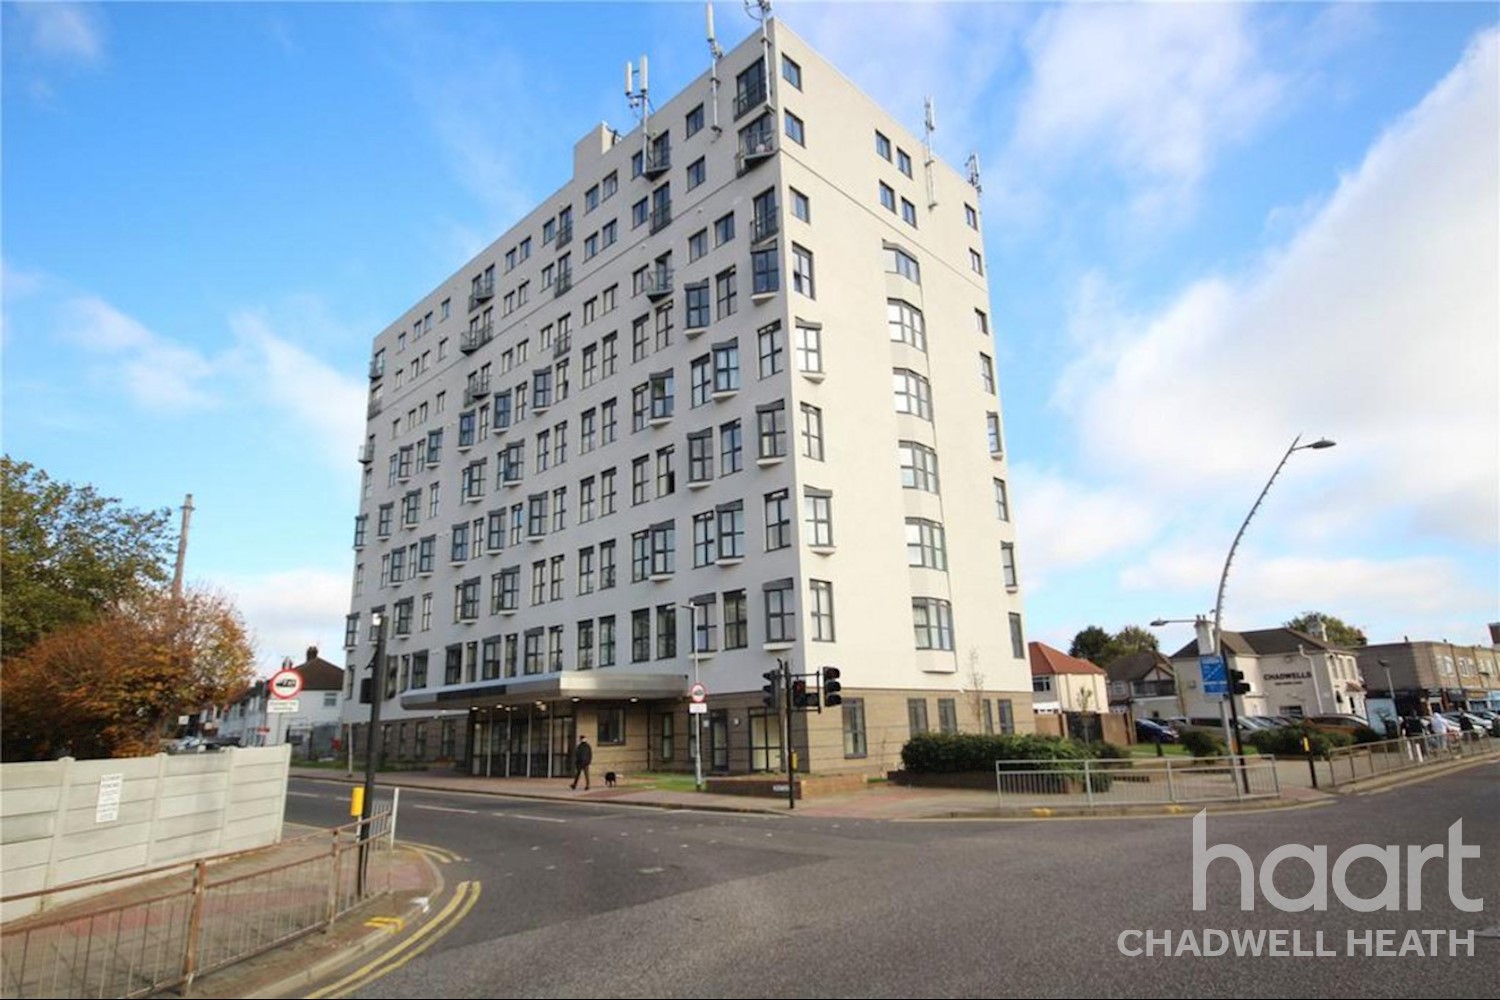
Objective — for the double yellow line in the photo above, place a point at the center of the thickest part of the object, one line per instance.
(465, 895)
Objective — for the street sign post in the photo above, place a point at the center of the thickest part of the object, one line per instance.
(1215, 680)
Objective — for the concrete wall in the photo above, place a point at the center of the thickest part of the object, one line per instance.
(56, 825)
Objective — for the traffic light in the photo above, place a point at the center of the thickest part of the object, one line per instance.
(769, 689)
(832, 687)
(1237, 682)
(799, 694)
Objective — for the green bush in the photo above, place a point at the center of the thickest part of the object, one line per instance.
(1364, 734)
(1286, 741)
(948, 753)
(1202, 743)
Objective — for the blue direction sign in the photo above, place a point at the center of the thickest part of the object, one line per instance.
(1215, 680)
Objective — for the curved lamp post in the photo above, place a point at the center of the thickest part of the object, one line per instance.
(1296, 445)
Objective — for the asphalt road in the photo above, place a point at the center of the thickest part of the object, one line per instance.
(594, 900)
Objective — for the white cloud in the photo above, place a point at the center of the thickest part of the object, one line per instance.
(67, 31)
(1155, 90)
(1377, 325)
(291, 610)
(323, 401)
(158, 373)
(1067, 523)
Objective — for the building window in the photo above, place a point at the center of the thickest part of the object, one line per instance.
(916, 715)
(665, 727)
(612, 726)
(906, 323)
(817, 510)
(809, 348)
(898, 261)
(731, 448)
(640, 635)
(772, 350)
(666, 475)
(971, 217)
(765, 271)
(908, 213)
(992, 431)
(882, 146)
(694, 122)
(1017, 640)
(731, 530)
(794, 130)
(697, 305)
(887, 197)
(1008, 562)
(726, 293)
(663, 549)
(987, 373)
(855, 739)
(822, 610)
(913, 393)
(703, 539)
(727, 366)
(723, 229)
(932, 621)
(781, 611)
(976, 262)
(697, 173)
(947, 715)
(919, 467)
(701, 456)
(771, 427)
(812, 432)
(607, 641)
(736, 622)
(802, 271)
(791, 72)
(666, 631)
(1007, 716)
(903, 162)
(925, 544)
(801, 207)
(640, 475)
(697, 245)
(778, 520)
(1002, 501)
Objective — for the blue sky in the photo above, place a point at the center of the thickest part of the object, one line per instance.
(1210, 228)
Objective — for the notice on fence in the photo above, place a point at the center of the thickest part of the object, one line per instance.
(108, 808)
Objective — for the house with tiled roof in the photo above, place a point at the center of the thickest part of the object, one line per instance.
(1063, 683)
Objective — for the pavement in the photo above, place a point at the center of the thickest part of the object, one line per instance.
(418, 893)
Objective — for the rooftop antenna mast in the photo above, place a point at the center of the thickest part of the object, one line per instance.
(974, 172)
(715, 53)
(929, 126)
(640, 103)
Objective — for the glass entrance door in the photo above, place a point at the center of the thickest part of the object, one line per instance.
(765, 742)
(718, 740)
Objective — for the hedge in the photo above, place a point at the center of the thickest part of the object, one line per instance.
(1286, 741)
(947, 753)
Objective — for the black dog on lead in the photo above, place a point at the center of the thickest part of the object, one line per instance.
(609, 779)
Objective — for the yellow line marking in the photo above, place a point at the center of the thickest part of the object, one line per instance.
(439, 854)
(464, 898)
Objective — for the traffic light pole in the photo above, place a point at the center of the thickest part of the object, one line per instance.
(786, 713)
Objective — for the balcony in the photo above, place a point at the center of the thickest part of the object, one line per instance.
(484, 290)
(564, 236)
(657, 162)
(367, 453)
(477, 389)
(756, 146)
(377, 366)
(658, 283)
(749, 99)
(764, 227)
(475, 338)
(563, 283)
(373, 410)
(661, 216)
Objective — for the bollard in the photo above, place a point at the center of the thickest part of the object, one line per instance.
(1312, 768)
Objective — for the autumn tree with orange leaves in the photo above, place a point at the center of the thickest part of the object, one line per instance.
(114, 686)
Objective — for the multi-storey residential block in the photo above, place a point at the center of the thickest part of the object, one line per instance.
(726, 397)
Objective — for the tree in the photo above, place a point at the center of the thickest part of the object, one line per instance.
(1101, 648)
(1340, 633)
(69, 554)
(1133, 639)
(113, 686)
(1090, 644)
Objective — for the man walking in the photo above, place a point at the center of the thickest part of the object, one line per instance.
(583, 756)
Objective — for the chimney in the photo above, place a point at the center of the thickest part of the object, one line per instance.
(312, 653)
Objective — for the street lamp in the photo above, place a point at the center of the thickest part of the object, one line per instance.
(1218, 637)
(696, 727)
(372, 745)
(1390, 689)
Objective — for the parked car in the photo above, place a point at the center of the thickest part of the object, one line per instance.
(1347, 724)
(1154, 730)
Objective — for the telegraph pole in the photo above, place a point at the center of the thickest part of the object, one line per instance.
(182, 540)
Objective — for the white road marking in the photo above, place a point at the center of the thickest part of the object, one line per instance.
(446, 809)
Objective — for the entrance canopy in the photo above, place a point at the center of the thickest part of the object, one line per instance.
(585, 685)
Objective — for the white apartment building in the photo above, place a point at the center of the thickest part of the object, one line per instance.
(727, 397)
